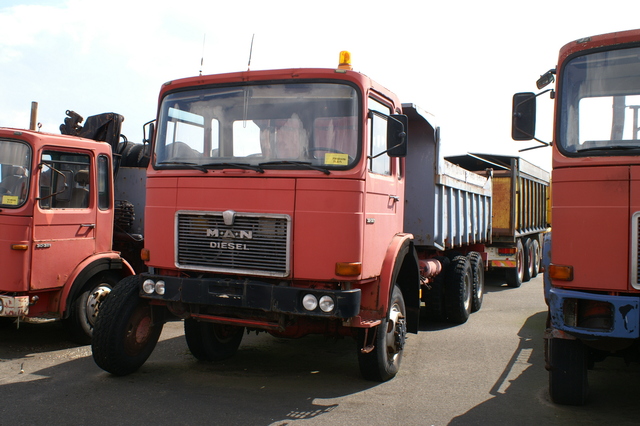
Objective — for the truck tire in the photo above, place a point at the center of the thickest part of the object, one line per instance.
(459, 290)
(568, 361)
(529, 261)
(124, 334)
(477, 268)
(383, 362)
(83, 311)
(212, 342)
(537, 257)
(515, 276)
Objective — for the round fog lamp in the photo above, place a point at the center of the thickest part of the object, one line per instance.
(309, 302)
(327, 304)
(148, 286)
(160, 287)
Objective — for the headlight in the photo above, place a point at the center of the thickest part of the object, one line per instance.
(327, 304)
(160, 287)
(1, 306)
(148, 286)
(309, 302)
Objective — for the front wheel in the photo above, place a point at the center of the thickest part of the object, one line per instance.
(125, 332)
(382, 362)
(568, 361)
(212, 342)
(84, 309)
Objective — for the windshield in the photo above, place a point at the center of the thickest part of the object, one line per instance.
(290, 125)
(600, 99)
(15, 158)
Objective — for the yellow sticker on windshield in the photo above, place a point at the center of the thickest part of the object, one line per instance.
(335, 159)
(10, 200)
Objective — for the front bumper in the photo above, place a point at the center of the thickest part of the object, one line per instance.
(14, 306)
(624, 315)
(252, 294)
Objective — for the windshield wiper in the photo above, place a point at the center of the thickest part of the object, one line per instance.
(610, 147)
(183, 163)
(297, 163)
(244, 166)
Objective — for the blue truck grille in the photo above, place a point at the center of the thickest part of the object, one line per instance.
(250, 244)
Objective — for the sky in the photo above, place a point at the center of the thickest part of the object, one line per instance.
(459, 60)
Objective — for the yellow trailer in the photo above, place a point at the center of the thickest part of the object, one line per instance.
(520, 212)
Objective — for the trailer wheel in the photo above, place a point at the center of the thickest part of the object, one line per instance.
(529, 261)
(515, 276)
(459, 290)
(84, 310)
(568, 360)
(535, 248)
(477, 268)
(125, 333)
(212, 342)
(383, 361)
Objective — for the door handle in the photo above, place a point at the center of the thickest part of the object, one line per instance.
(87, 225)
(395, 198)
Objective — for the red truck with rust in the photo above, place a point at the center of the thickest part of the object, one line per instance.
(594, 301)
(60, 253)
(285, 201)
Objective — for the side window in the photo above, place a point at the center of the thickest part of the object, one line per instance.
(64, 180)
(104, 183)
(380, 164)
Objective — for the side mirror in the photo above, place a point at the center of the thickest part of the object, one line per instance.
(397, 126)
(523, 120)
(149, 127)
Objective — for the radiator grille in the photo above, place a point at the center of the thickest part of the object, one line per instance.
(254, 244)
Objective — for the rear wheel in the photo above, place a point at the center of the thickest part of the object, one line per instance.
(515, 276)
(537, 256)
(477, 268)
(125, 332)
(529, 261)
(459, 290)
(212, 342)
(568, 360)
(382, 362)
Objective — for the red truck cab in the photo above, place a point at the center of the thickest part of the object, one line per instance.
(594, 299)
(56, 228)
(275, 202)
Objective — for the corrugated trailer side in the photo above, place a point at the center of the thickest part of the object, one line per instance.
(446, 206)
(448, 211)
(520, 212)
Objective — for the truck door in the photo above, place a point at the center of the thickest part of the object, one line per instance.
(383, 203)
(64, 217)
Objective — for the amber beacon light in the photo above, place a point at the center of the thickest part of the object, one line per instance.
(345, 61)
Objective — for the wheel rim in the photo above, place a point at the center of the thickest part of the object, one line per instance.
(396, 332)
(139, 329)
(480, 283)
(520, 263)
(95, 299)
(468, 283)
(225, 333)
